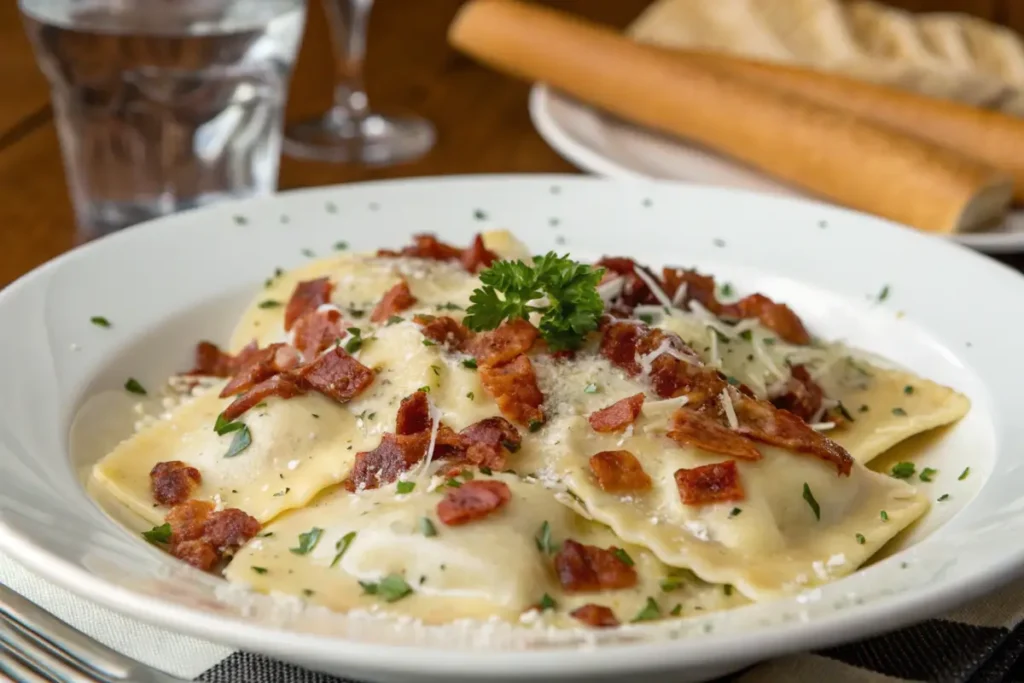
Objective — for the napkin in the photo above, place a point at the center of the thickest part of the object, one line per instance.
(980, 643)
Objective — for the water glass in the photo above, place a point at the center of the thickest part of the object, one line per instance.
(165, 105)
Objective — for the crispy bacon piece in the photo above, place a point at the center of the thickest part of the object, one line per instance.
(619, 344)
(779, 318)
(634, 291)
(202, 537)
(229, 529)
(316, 331)
(257, 365)
(308, 296)
(187, 520)
(212, 362)
(476, 256)
(597, 616)
(619, 471)
(444, 330)
(282, 386)
(765, 423)
(172, 482)
(803, 395)
(699, 288)
(513, 386)
(715, 483)
(618, 415)
(503, 344)
(671, 377)
(394, 301)
(199, 554)
(413, 414)
(473, 500)
(336, 375)
(487, 442)
(396, 453)
(691, 428)
(587, 568)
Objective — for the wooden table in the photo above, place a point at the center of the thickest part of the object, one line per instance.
(481, 117)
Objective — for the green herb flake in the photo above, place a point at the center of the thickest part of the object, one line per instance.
(670, 583)
(624, 557)
(908, 390)
(429, 342)
(964, 474)
(355, 342)
(449, 306)
(809, 497)
(469, 363)
(543, 539)
(479, 215)
(405, 486)
(340, 246)
(884, 515)
(268, 303)
(650, 611)
(308, 592)
(308, 253)
(453, 483)
(158, 534)
(927, 473)
(425, 389)
(99, 321)
(590, 389)
(944, 497)
(369, 587)
(899, 412)
(535, 425)
(427, 527)
(860, 538)
(341, 546)
(393, 588)
(484, 469)
(903, 470)
(394, 320)
(466, 474)
(436, 369)
(547, 602)
(884, 294)
(845, 413)
(727, 589)
(735, 512)
(134, 387)
(242, 440)
(259, 570)
(726, 289)
(308, 541)
(677, 610)
(224, 426)
(470, 395)
(646, 318)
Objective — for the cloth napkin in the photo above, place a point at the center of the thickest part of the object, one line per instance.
(980, 643)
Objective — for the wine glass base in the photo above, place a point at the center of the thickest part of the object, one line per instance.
(371, 141)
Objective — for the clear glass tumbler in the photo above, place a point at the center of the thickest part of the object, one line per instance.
(350, 132)
(165, 105)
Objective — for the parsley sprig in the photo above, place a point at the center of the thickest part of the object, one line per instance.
(573, 304)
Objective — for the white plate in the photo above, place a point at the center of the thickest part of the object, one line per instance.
(608, 146)
(168, 283)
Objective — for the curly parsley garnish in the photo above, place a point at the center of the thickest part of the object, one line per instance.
(573, 305)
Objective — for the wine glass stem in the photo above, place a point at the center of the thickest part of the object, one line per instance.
(347, 21)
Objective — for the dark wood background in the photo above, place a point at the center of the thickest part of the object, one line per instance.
(481, 117)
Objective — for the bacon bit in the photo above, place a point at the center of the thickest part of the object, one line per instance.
(715, 483)
(394, 301)
(413, 414)
(229, 529)
(476, 256)
(199, 554)
(776, 317)
(699, 288)
(513, 387)
(315, 331)
(803, 395)
(248, 352)
(690, 428)
(258, 365)
(634, 291)
(445, 330)
(201, 536)
(618, 415)
(187, 520)
(587, 568)
(597, 616)
(619, 471)
(282, 386)
(396, 453)
(619, 344)
(488, 441)
(308, 296)
(671, 377)
(473, 500)
(336, 375)
(503, 344)
(765, 423)
(212, 362)
(172, 482)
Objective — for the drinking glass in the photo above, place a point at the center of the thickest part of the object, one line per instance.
(164, 105)
(350, 131)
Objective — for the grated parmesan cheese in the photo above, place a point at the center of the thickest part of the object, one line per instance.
(730, 411)
(658, 293)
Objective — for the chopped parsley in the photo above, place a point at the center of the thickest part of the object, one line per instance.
(392, 588)
(341, 546)
(908, 390)
(308, 592)
(671, 583)
(453, 483)
(427, 527)
(356, 341)
(903, 470)
(809, 497)
(650, 611)
(425, 389)
(884, 294)
(860, 538)
(927, 473)
(158, 534)
(735, 512)
(899, 412)
(340, 246)
(429, 342)
(466, 474)
(727, 589)
(884, 515)
(484, 469)
(590, 389)
(224, 426)
(624, 557)
(470, 395)
(134, 387)
(449, 306)
(535, 425)
(944, 497)
(308, 541)
(242, 440)
(543, 539)
(646, 318)
(436, 369)
(268, 303)
(259, 570)
(99, 321)
(964, 474)
(405, 486)
(509, 287)
(726, 289)
(677, 610)
(394, 320)
(469, 363)
(845, 413)
(547, 602)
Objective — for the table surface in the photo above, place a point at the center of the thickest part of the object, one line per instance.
(481, 117)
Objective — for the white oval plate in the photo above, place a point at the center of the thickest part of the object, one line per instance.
(608, 146)
(166, 284)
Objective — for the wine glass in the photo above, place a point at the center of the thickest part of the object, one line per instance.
(350, 131)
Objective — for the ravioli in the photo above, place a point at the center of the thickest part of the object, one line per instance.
(770, 544)
(491, 567)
